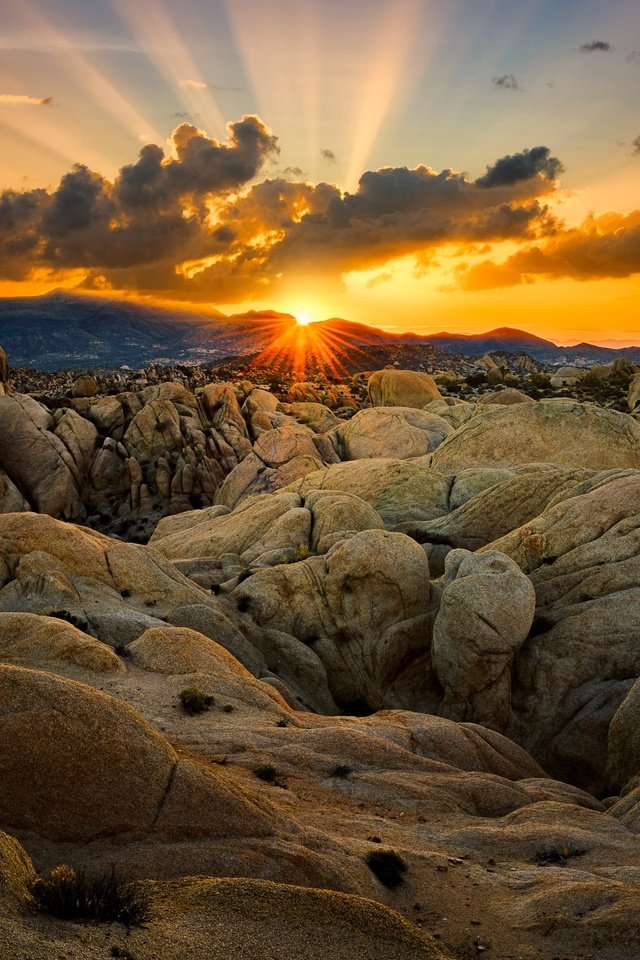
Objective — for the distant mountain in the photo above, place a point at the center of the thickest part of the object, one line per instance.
(502, 340)
(65, 330)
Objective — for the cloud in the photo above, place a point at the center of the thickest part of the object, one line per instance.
(524, 166)
(193, 84)
(594, 46)
(21, 100)
(199, 224)
(506, 82)
(602, 247)
(293, 172)
(633, 57)
(635, 144)
(329, 155)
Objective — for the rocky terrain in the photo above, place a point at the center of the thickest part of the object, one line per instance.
(414, 620)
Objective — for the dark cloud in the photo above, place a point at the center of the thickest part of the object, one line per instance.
(603, 247)
(197, 225)
(595, 45)
(328, 155)
(506, 82)
(536, 162)
(293, 172)
(635, 144)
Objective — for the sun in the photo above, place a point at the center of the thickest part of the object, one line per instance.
(303, 319)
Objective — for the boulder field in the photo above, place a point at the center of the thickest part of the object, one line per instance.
(416, 628)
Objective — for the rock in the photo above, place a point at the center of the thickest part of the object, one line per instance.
(402, 388)
(397, 490)
(454, 411)
(498, 507)
(85, 385)
(623, 754)
(16, 874)
(107, 413)
(484, 617)
(559, 431)
(399, 432)
(154, 431)
(581, 555)
(505, 397)
(282, 444)
(4, 373)
(633, 395)
(36, 460)
(350, 606)
(316, 416)
(28, 640)
(98, 767)
(567, 376)
(80, 437)
(11, 500)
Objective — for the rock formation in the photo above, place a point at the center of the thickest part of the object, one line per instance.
(410, 627)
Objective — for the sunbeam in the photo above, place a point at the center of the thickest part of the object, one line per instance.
(159, 38)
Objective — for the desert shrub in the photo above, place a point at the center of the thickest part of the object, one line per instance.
(341, 770)
(559, 854)
(194, 700)
(388, 866)
(75, 896)
(228, 708)
(71, 618)
(266, 772)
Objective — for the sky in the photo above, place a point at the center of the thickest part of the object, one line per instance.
(419, 165)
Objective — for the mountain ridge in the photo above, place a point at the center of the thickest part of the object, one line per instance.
(64, 329)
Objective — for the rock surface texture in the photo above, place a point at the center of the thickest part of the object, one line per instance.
(409, 627)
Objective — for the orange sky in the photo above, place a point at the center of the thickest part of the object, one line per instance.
(408, 164)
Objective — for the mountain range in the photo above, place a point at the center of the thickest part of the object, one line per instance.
(63, 330)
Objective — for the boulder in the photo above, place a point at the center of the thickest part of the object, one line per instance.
(399, 432)
(85, 385)
(402, 388)
(505, 397)
(485, 615)
(36, 460)
(362, 608)
(398, 490)
(558, 431)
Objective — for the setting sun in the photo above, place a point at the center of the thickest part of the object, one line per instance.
(303, 319)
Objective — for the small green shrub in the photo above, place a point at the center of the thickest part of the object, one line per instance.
(75, 896)
(388, 866)
(194, 700)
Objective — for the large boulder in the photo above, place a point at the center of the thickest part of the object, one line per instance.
(362, 608)
(582, 555)
(402, 388)
(77, 764)
(558, 431)
(484, 617)
(400, 432)
(398, 490)
(36, 460)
